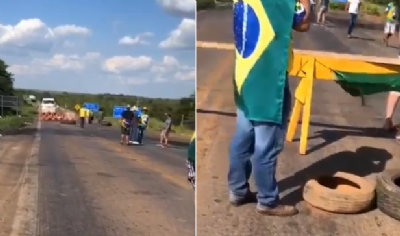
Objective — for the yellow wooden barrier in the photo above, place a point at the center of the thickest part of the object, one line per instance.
(310, 65)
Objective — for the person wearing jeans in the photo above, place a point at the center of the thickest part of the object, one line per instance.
(263, 142)
(258, 141)
(353, 7)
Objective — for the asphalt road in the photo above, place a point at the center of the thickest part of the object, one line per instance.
(343, 137)
(63, 180)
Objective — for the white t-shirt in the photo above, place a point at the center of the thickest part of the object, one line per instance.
(353, 8)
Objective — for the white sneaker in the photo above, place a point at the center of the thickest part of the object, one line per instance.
(134, 142)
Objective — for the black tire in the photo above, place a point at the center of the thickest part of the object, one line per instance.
(106, 123)
(68, 122)
(388, 193)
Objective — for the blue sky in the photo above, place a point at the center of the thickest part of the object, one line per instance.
(141, 47)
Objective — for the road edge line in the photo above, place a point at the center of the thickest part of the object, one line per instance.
(25, 219)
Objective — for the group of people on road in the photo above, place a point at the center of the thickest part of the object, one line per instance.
(85, 116)
(352, 7)
(133, 125)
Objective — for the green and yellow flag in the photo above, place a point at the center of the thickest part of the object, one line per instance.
(358, 84)
(192, 149)
(262, 31)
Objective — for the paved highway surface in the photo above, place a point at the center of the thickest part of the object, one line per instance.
(343, 137)
(62, 181)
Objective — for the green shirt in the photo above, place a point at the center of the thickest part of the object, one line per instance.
(390, 13)
(192, 149)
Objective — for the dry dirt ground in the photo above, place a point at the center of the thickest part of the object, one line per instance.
(342, 138)
(83, 182)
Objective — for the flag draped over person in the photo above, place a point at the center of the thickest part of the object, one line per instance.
(262, 31)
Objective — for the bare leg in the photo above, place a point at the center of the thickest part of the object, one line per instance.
(319, 17)
(166, 141)
(323, 19)
(391, 105)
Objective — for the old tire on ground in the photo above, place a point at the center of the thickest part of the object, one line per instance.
(106, 123)
(388, 193)
(340, 193)
(68, 122)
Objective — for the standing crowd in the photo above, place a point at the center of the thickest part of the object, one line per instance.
(134, 122)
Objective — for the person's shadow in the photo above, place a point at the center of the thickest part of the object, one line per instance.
(363, 162)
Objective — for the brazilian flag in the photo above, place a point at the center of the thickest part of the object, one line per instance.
(192, 150)
(262, 31)
(358, 84)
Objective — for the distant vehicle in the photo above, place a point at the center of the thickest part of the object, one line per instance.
(32, 98)
(48, 105)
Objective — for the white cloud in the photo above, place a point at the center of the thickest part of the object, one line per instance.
(181, 8)
(58, 62)
(140, 39)
(184, 37)
(168, 64)
(171, 69)
(124, 70)
(123, 64)
(68, 30)
(35, 35)
(92, 56)
(190, 75)
(170, 61)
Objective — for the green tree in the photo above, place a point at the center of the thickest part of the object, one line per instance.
(6, 80)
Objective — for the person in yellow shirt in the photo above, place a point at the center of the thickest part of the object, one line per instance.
(144, 121)
(82, 115)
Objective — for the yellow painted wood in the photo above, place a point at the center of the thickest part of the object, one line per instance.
(305, 124)
(308, 65)
(334, 61)
(327, 63)
(294, 120)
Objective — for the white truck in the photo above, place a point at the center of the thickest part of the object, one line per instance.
(48, 105)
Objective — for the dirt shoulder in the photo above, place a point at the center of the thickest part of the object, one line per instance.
(174, 139)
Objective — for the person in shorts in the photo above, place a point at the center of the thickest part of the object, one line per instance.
(165, 132)
(322, 12)
(126, 122)
(390, 24)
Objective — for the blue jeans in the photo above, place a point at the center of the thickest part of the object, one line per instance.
(133, 133)
(140, 133)
(263, 142)
(353, 20)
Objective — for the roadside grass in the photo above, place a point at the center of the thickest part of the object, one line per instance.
(13, 122)
(205, 4)
(156, 126)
